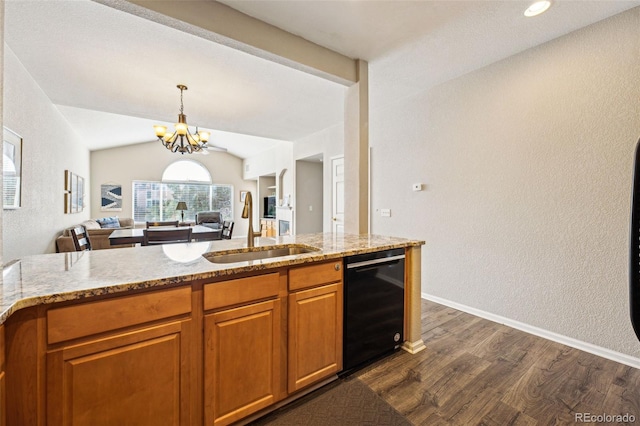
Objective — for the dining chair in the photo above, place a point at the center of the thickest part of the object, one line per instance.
(80, 238)
(166, 236)
(227, 230)
(173, 223)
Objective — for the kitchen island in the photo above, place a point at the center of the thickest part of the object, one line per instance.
(169, 337)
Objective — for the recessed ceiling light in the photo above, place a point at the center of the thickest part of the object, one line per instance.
(537, 8)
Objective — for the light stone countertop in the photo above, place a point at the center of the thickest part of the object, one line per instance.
(50, 278)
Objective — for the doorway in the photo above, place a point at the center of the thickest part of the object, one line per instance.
(309, 194)
(337, 194)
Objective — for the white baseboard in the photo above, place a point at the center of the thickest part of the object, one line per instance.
(559, 338)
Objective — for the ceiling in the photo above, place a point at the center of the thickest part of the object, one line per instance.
(113, 74)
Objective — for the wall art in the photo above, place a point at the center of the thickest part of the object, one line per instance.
(110, 197)
(11, 169)
(73, 192)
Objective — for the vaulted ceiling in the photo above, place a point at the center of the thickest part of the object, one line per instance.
(113, 74)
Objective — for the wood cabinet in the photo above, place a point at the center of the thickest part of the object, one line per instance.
(3, 385)
(315, 324)
(242, 361)
(139, 377)
(113, 367)
(202, 353)
(243, 352)
(268, 227)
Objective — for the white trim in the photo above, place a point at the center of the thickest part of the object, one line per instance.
(413, 347)
(369, 217)
(546, 334)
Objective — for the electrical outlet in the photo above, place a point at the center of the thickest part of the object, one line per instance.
(385, 212)
(310, 208)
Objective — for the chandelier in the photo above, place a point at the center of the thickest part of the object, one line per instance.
(182, 140)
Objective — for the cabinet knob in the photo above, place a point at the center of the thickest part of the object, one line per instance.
(337, 266)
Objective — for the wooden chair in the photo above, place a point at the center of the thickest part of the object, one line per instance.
(80, 238)
(227, 230)
(166, 236)
(173, 223)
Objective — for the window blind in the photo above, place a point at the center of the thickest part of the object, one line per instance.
(156, 201)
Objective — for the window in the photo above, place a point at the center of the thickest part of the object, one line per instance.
(186, 171)
(183, 180)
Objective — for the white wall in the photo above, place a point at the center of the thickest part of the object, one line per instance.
(262, 164)
(528, 167)
(50, 146)
(123, 165)
(309, 195)
(329, 143)
(275, 161)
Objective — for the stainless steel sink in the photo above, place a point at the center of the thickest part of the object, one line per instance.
(258, 253)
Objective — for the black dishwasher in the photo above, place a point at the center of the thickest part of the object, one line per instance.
(373, 307)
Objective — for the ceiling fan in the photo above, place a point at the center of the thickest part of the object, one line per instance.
(206, 148)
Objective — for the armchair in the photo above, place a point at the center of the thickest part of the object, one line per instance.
(210, 219)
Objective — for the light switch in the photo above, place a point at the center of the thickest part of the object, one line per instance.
(385, 212)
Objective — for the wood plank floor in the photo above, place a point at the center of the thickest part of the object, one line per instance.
(477, 372)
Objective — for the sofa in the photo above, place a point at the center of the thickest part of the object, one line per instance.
(98, 231)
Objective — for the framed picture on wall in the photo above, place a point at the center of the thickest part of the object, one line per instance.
(111, 197)
(73, 192)
(67, 191)
(11, 169)
(80, 194)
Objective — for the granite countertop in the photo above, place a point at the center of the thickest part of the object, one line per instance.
(50, 278)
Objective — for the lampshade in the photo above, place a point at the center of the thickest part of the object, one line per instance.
(182, 206)
(181, 129)
(160, 130)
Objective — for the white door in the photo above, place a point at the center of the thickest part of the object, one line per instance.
(337, 189)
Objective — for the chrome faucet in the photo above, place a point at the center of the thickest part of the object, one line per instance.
(247, 213)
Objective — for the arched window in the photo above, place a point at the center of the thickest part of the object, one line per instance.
(186, 171)
(185, 181)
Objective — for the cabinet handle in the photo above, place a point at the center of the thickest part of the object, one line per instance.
(337, 266)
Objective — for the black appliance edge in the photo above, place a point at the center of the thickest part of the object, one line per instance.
(634, 249)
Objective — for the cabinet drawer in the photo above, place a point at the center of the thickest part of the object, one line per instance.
(242, 290)
(314, 275)
(71, 322)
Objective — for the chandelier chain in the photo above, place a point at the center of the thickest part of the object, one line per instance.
(181, 103)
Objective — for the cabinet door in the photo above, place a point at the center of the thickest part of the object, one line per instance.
(140, 377)
(3, 394)
(315, 335)
(263, 228)
(242, 361)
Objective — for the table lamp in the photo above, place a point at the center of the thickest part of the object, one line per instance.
(182, 206)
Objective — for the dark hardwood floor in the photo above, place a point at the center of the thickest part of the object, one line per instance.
(477, 372)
